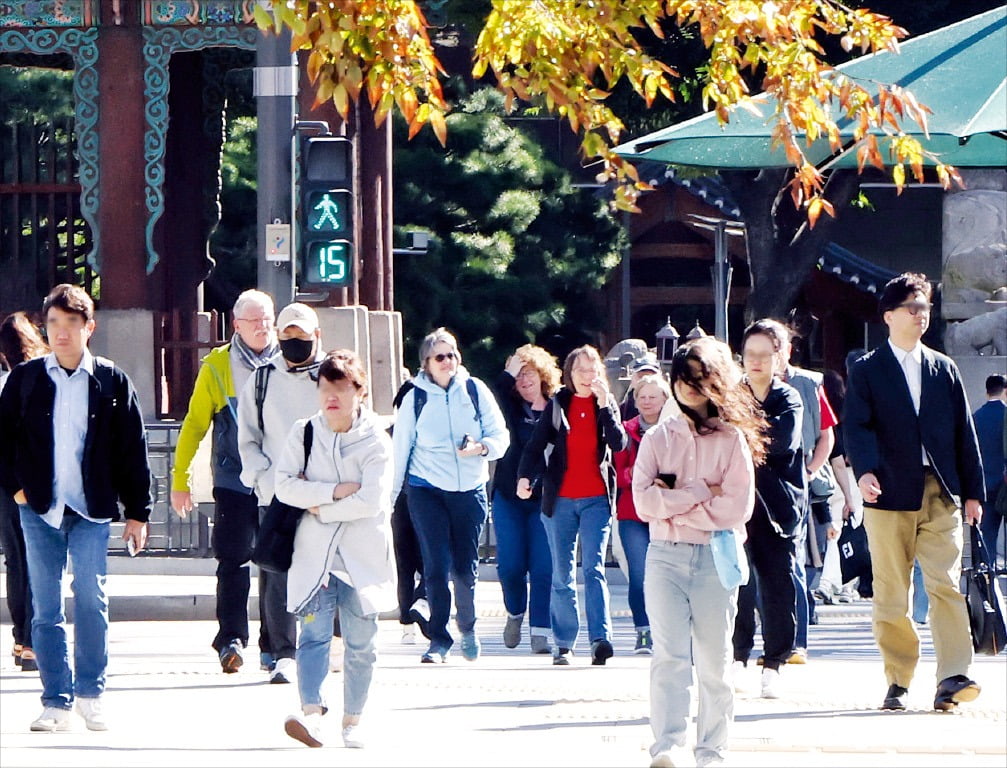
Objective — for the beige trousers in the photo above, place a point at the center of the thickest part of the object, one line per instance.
(933, 534)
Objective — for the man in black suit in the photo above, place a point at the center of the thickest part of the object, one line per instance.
(911, 440)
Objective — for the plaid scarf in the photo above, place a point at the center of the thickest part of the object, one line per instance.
(249, 357)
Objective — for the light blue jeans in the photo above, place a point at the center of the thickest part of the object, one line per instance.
(358, 630)
(635, 537)
(691, 619)
(591, 519)
(47, 548)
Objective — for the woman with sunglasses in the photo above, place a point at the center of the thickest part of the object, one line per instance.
(449, 427)
(581, 429)
(694, 475)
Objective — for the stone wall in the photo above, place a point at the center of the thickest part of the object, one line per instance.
(974, 277)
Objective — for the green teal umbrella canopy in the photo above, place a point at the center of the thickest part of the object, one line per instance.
(958, 71)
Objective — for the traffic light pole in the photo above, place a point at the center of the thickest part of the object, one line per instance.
(275, 89)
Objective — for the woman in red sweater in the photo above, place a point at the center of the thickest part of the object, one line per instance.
(650, 393)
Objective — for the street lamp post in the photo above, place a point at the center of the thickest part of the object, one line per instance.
(721, 228)
(666, 340)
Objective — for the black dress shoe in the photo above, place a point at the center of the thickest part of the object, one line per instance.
(951, 691)
(895, 698)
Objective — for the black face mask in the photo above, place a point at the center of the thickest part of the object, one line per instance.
(297, 351)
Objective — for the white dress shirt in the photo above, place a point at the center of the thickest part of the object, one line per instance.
(69, 430)
(911, 362)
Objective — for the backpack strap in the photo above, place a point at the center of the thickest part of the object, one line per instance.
(261, 382)
(419, 400)
(309, 436)
(470, 385)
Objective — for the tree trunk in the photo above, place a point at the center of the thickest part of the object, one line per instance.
(782, 248)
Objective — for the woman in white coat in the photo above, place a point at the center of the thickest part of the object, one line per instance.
(343, 546)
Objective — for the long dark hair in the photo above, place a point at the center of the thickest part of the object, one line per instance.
(720, 381)
(20, 339)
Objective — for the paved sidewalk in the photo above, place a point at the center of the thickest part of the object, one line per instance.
(169, 705)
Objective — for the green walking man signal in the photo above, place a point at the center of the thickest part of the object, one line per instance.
(326, 212)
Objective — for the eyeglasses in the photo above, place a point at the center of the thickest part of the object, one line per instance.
(915, 307)
(264, 320)
(440, 358)
(526, 373)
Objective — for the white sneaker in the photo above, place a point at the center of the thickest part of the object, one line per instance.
(283, 672)
(672, 758)
(336, 651)
(352, 737)
(51, 720)
(770, 683)
(93, 713)
(305, 728)
(408, 634)
(738, 669)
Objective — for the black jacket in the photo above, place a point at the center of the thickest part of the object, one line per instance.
(884, 435)
(115, 466)
(611, 438)
(512, 405)
(781, 485)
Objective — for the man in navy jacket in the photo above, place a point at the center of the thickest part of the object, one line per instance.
(911, 440)
(72, 448)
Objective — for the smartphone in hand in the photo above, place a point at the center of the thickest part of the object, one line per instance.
(131, 547)
(465, 443)
(668, 478)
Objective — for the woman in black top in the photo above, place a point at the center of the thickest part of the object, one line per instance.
(524, 564)
(781, 489)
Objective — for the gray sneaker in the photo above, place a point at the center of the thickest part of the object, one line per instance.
(512, 631)
(540, 644)
(644, 643)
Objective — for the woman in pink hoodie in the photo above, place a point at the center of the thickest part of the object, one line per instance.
(694, 475)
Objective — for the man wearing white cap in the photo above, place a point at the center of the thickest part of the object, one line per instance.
(282, 392)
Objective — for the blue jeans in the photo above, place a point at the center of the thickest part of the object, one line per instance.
(591, 518)
(635, 536)
(524, 564)
(358, 630)
(921, 603)
(692, 617)
(47, 549)
(448, 524)
(801, 606)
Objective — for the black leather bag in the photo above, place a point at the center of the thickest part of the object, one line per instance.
(854, 553)
(274, 543)
(984, 600)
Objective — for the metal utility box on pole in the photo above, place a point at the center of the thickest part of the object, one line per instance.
(275, 89)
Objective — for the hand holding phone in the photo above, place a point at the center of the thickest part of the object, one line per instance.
(131, 546)
(668, 478)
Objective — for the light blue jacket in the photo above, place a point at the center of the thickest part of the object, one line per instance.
(447, 416)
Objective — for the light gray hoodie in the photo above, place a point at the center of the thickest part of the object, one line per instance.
(290, 395)
(353, 535)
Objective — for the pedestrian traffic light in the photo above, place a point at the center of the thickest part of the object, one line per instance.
(326, 215)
